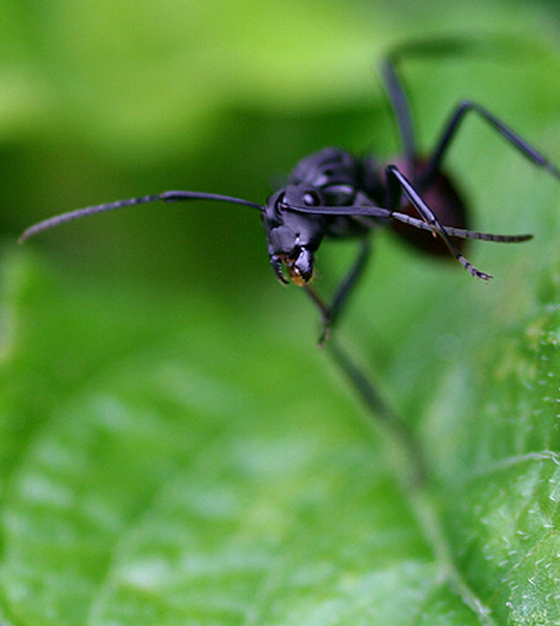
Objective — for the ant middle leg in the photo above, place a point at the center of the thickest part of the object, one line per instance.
(401, 108)
(394, 84)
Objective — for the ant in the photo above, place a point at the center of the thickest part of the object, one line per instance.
(335, 194)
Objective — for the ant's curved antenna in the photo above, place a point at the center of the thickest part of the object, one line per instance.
(168, 196)
(382, 213)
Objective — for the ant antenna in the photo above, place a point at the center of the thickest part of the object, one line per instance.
(385, 214)
(168, 196)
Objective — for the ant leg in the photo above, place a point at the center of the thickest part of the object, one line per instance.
(330, 314)
(396, 184)
(452, 126)
(349, 282)
(432, 48)
(400, 105)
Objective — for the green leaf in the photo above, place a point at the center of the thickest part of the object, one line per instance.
(174, 449)
(163, 469)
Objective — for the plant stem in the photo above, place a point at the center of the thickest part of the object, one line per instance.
(380, 410)
(415, 479)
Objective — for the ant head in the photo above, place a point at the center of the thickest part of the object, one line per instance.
(292, 236)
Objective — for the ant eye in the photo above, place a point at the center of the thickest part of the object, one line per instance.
(310, 198)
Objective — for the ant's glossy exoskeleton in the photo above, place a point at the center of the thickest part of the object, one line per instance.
(337, 195)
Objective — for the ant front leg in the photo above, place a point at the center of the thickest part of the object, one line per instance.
(396, 184)
(330, 314)
(450, 132)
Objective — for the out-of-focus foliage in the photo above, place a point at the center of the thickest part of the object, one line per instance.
(173, 447)
(104, 100)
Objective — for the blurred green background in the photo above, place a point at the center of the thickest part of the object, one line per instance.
(137, 343)
(102, 101)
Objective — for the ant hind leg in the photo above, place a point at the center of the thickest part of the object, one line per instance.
(450, 132)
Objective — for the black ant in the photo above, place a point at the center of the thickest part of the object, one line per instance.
(335, 194)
